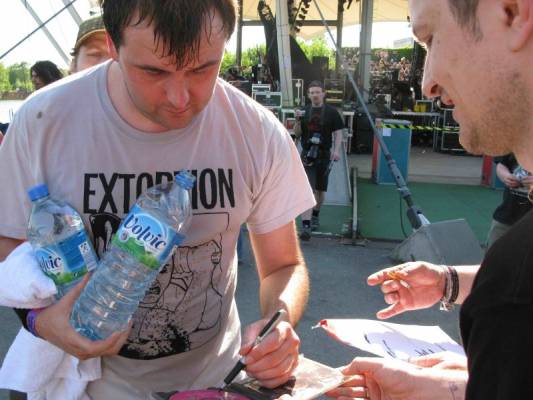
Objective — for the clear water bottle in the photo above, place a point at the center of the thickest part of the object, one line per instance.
(143, 243)
(57, 234)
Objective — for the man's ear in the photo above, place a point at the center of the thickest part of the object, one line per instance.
(111, 46)
(520, 22)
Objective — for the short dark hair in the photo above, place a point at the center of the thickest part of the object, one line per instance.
(465, 13)
(177, 23)
(47, 71)
(316, 84)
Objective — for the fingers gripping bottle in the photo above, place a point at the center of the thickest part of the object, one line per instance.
(143, 243)
(58, 237)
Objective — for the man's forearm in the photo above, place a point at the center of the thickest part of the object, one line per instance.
(7, 245)
(338, 135)
(466, 274)
(286, 288)
(441, 384)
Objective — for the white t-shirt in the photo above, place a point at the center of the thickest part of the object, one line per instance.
(69, 136)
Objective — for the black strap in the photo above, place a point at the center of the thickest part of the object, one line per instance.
(22, 313)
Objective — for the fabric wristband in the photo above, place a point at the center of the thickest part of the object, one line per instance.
(30, 321)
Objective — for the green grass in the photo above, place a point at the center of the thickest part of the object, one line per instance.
(379, 207)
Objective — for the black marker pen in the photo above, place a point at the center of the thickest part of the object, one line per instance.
(264, 332)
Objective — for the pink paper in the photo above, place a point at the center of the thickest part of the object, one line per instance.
(208, 394)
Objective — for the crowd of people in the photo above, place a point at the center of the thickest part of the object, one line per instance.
(157, 104)
(385, 64)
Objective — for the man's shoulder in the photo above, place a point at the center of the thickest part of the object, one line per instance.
(332, 110)
(243, 108)
(233, 94)
(59, 94)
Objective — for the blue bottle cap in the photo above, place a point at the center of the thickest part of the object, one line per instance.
(38, 191)
(185, 179)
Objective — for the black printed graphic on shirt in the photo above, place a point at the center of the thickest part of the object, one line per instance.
(182, 309)
(212, 189)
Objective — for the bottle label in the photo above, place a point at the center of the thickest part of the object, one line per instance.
(68, 260)
(149, 240)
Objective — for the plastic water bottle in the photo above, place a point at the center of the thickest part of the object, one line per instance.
(57, 234)
(143, 243)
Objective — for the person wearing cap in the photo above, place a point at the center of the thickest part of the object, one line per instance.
(91, 46)
(100, 138)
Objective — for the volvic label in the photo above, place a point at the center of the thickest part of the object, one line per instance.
(147, 239)
(68, 260)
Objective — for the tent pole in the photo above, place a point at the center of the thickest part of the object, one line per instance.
(73, 13)
(46, 31)
(238, 57)
(340, 24)
(284, 52)
(365, 46)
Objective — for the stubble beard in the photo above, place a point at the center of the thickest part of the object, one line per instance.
(502, 126)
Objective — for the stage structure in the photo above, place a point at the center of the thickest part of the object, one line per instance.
(306, 23)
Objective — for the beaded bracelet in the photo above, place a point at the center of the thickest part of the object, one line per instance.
(451, 289)
(31, 319)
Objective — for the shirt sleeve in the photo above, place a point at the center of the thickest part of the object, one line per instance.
(16, 177)
(506, 160)
(338, 123)
(284, 192)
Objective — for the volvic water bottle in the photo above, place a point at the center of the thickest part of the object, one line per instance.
(57, 234)
(143, 243)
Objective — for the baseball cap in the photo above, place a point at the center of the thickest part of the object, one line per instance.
(87, 28)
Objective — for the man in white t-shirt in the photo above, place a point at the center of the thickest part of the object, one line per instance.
(101, 137)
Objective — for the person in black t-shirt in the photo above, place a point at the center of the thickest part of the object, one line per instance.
(318, 126)
(493, 107)
(515, 203)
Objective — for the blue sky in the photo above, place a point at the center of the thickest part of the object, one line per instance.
(16, 23)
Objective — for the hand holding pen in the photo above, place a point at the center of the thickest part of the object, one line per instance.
(272, 356)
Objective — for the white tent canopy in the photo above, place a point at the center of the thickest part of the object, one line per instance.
(383, 11)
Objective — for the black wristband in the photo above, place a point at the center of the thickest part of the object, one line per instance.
(455, 285)
(451, 289)
(22, 313)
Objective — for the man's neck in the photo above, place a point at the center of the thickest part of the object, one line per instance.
(317, 105)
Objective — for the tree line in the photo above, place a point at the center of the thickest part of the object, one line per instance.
(15, 79)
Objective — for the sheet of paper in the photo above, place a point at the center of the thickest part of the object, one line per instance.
(387, 132)
(390, 340)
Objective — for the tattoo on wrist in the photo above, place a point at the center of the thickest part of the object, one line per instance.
(454, 390)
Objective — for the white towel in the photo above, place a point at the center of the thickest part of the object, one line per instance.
(23, 283)
(32, 365)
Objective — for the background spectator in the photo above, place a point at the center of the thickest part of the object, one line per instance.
(91, 47)
(515, 203)
(43, 73)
